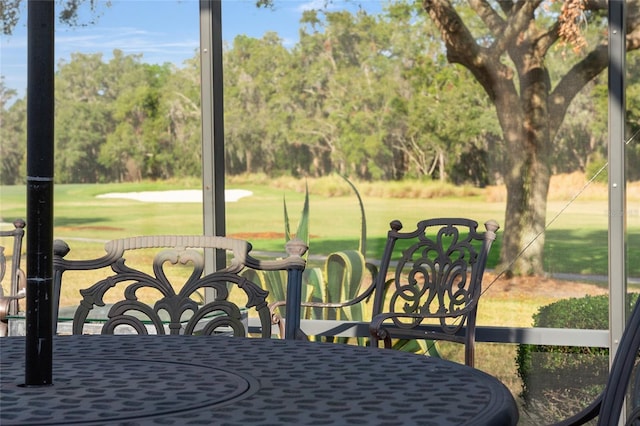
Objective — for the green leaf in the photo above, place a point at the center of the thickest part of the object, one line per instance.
(275, 282)
(362, 245)
(303, 226)
(287, 229)
(344, 272)
(315, 287)
(427, 347)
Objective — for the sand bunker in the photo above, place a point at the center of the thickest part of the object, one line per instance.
(176, 196)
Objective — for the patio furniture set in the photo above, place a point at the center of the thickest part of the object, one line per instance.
(427, 287)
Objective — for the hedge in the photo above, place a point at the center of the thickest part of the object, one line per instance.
(558, 380)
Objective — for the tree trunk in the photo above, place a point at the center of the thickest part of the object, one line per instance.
(248, 159)
(527, 187)
(441, 170)
(524, 118)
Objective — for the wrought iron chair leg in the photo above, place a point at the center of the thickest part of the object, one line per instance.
(387, 342)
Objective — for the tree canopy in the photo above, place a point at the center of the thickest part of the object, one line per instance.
(508, 46)
(478, 92)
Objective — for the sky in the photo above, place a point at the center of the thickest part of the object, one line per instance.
(161, 30)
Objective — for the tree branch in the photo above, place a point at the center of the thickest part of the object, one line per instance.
(633, 25)
(516, 25)
(573, 81)
(490, 17)
(595, 4)
(506, 5)
(593, 64)
(460, 44)
(462, 48)
(633, 39)
(549, 38)
(458, 39)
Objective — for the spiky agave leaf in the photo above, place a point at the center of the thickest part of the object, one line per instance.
(303, 226)
(287, 228)
(362, 245)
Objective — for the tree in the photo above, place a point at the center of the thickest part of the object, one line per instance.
(633, 118)
(505, 45)
(455, 135)
(83, 119)
(10, 11)
(180, 108)
(256, 108)
(344, 92)
(13, 122)
(112, 123)
(140, 145)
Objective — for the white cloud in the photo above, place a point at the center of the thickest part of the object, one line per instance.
(154, 46)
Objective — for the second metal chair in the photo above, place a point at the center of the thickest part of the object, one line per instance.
(434, 289)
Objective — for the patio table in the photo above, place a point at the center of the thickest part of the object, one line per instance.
(144, 380)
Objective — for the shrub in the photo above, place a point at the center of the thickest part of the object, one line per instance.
(596, 169)
(558, 380)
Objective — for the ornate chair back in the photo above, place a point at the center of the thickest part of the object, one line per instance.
(16, 280)
(168, 296)
(433, 292)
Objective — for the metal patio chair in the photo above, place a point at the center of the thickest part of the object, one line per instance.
(170, 299)
(434, 291)
(17, 279)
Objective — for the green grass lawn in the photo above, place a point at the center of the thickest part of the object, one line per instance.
(576, 241)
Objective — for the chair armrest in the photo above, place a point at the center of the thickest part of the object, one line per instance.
(11, 300)
(380, 318)
(364, 296)
(277, 318)
(295, 248)
(381, 330)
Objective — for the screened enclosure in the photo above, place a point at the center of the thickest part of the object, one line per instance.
(533, 126)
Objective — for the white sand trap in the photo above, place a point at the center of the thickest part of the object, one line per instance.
(177, 196)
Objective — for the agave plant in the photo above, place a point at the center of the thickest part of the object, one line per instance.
(341, 276)
(340, 279)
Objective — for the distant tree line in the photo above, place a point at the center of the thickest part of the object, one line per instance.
(369, 96)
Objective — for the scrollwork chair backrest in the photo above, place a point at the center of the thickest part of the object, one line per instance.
(437, 279)
(161, 299)
(16, 278)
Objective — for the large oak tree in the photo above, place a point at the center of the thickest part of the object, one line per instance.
(507, 54)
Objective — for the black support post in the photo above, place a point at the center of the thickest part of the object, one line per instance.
(40, 119)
